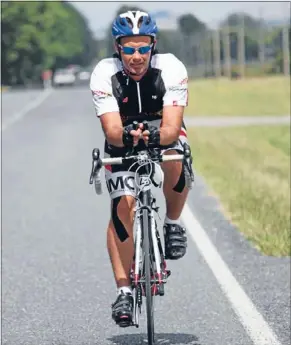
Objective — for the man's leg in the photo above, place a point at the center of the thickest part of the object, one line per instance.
(176, 193)
(121, 250)
(120, 240)
(175, 190)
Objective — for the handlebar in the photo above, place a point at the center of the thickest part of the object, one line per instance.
(154, 155)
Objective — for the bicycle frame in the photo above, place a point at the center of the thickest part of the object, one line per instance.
(149, 273)
(147, 277)
(144, 227)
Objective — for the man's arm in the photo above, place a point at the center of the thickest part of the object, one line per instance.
(175, 99)
(112, 128)
(106, 106)
(171, 125)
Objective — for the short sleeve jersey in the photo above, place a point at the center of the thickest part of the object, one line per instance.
(164, 84)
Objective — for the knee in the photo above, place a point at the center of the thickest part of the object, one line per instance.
(123, 209)
(175, 174)
(122, 216)
(172, 170)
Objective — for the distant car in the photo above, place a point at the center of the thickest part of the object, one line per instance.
(64, 77)
(83, 76)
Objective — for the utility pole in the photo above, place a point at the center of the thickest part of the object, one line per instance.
(285, 41)
(226, 48)
(286, 52)
(241, 46)
(216, 52)
(261, 40)
(208, 51)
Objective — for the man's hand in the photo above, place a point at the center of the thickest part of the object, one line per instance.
(131, 134)
(136, 135)
(151, 136)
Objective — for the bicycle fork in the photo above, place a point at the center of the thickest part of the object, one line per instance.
(160, 272)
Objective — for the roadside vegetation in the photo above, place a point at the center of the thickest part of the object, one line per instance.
(243, 97)
(248, 169)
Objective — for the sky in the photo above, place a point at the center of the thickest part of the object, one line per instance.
(101, 13)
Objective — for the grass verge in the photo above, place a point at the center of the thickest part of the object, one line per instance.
(249, 168)
(246, 97)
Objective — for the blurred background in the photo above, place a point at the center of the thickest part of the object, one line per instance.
(59, 42)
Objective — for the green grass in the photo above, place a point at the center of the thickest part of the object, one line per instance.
(246, 97)
(249, 169)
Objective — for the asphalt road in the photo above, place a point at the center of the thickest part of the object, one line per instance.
(57, 284)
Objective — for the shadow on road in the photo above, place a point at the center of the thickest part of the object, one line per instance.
(161, 339)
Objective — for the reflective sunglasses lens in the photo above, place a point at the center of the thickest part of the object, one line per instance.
(128, 50)
(144, 50)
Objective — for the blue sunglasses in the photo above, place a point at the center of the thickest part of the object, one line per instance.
(131, 50)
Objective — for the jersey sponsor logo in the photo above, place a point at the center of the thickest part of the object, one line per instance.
(184, 81)
(154, 96)
(100, 93)
(121, 183)
(175, 103)
(125, 100)
(178, 88)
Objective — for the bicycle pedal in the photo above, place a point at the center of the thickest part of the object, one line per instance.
(125, 323)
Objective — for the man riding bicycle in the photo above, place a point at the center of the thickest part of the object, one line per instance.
(138, 84)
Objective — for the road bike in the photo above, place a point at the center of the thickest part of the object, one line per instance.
(149, 272)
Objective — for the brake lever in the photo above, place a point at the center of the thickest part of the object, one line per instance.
(188, 159)
(96, 164)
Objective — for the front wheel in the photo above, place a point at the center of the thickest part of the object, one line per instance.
(146, 224)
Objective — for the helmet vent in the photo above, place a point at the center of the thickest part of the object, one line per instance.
(148, 20)
(140, 22)
(129, 22)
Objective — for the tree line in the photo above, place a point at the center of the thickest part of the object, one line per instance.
(42, 35)
(193, 42)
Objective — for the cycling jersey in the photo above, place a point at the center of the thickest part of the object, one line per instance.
(165, 83)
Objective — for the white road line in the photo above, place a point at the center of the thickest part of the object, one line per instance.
(31, 105)
(253, 322)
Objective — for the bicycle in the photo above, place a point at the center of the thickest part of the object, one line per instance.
(149, 271)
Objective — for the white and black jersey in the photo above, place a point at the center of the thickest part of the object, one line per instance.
(164, 84)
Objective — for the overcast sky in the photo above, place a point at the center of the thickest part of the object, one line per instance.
(100, 14)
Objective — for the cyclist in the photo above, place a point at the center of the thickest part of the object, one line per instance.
(138, 83)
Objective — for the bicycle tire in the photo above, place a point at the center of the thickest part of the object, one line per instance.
(146, 224)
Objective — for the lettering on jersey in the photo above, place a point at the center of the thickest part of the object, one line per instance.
(178, 88)
(121, 183)
(101, 94)
(157, 113)
(154, 96)
(184, 81)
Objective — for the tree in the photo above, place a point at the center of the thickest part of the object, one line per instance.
(235, 20)
(41, 35)
(190, 24)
